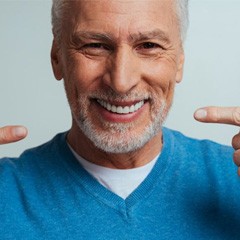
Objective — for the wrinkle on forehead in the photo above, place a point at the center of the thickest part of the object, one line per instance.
(125, 19)
(120, 7)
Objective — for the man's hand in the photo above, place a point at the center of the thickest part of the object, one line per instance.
(11, 134)
(227, 115)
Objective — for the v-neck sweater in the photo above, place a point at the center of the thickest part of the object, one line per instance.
(120, 181)
(192, 192)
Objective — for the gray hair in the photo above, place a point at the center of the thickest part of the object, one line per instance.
(59, 6)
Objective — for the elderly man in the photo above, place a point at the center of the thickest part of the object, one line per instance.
(118, 174)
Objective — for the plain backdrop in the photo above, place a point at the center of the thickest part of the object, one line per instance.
(31, 96)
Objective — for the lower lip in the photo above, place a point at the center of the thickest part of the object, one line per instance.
(119, 118)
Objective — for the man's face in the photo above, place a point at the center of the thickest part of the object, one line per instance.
(120, 61)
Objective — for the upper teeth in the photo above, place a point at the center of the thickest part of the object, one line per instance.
(121, 109)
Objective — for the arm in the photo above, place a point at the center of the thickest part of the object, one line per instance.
(11, 134)
(226, 115)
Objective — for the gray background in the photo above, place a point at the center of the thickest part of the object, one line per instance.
(30, 95)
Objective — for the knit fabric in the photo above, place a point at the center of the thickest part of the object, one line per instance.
(120, 181)
(191, 193)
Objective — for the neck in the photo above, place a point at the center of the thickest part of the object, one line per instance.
(86, 149)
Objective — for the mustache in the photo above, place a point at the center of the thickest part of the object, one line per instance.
(110, 95)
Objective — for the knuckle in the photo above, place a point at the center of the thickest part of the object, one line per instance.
(236, 142)
(215, 114)
(236, 158)
(236, 115)
(4, 135)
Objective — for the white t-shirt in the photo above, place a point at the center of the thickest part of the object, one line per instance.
(120, 181)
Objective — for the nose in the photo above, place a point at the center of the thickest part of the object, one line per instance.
(123, 70)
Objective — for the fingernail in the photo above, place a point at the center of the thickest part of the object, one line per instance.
(201, 114)
(19, 131)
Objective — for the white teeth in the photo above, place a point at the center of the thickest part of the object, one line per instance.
(113, 109)
(131, 109)
(109, 107)
(125, 110)
(120, 109)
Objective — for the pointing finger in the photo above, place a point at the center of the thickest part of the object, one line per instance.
(227, 115)
(11, 134)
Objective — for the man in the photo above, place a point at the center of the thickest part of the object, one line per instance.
(117, 174)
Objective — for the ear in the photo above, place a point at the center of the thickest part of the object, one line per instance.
(179, 74)
(56, 61)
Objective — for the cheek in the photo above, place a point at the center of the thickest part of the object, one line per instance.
(161, 75)
(84, 73)
(81, 77)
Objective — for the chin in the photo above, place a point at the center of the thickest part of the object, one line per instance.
(122, 138)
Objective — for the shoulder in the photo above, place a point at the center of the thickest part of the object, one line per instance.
(202, 162)
(199, 156)
(32, 159)
(196, 146)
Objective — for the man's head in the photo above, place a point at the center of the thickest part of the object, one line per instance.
(59, 7)
(120, 61)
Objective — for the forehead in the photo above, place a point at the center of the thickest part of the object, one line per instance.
(121, 17)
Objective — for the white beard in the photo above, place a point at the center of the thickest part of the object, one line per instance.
(120, 137)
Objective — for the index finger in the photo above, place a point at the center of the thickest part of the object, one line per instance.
(226, 115)
(9, 134)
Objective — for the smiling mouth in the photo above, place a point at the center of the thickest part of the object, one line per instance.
(121, 109)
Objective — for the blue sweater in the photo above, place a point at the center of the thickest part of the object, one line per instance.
(191, 193)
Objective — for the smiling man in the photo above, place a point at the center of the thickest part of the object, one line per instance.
(119, 74)
(117, 173)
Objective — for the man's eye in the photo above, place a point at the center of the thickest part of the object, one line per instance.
(149, 49)
(96, 49)
(149, 45)
(96, 45)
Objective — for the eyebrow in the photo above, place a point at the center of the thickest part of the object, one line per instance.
(155, 34)
(81, 35)
(107, 37)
